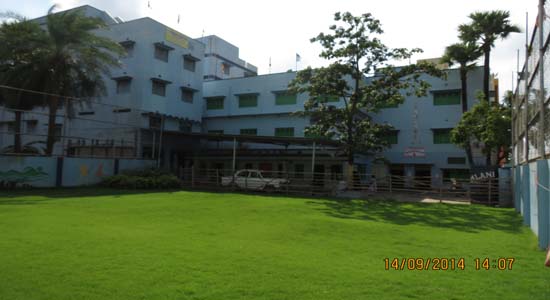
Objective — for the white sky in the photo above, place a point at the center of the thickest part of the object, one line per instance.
(279, 29)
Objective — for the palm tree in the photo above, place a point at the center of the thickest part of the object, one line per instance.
(465, 55)
(484, 29)
(21, 49)
(75, 60)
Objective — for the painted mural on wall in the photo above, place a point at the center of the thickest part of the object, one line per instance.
(27, 176)
(37, 171)
(86, 171)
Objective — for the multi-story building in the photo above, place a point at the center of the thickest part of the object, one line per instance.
(179, 90)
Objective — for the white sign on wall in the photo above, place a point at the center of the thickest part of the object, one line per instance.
(415, 152)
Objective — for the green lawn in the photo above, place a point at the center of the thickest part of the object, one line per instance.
(103, 244)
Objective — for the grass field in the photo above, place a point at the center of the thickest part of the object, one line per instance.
(103, 244)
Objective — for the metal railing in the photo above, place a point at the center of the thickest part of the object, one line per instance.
(489, 191)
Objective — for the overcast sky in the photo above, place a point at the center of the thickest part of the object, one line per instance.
(280, 29)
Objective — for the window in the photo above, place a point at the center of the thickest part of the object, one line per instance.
(147, 152)
(285, 131)
(86, 113)
(161, 53)
(226, 68)
(128, 48)
(154, 122)
(447, 97)
(31, 125)
(121, 110)
(189, 63)
(10, 126)
(392, 137)
(58, 132)
(123, 86)
(249, 131)
(325, 99)
(187, 95)
(242, 174)
(159, 88)
(442, 136)
(298, 171)
(250, 100)
(184, 126)
(456, 160)
(214, 103)
(215, 131)
(285, 99)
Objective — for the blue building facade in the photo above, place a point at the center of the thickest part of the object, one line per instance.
(172, 82)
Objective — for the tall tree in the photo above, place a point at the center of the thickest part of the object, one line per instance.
(465, 55)
(77, 58)
(72, 60)
(486, 123)
(362, 77)
(484, 29)
(21, 49)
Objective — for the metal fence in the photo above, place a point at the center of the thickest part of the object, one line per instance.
(531, 103)
(491, 191)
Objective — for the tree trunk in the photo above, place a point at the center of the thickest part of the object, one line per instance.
(52, 106)
(486, 73)
(464, 100)
(488, 158)
(469, 155)
(17, 133)
(349, 171)
(464, 86)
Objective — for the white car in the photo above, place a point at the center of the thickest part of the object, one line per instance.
(252, 180)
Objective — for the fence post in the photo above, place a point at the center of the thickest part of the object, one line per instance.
(193, 176)
(287, 182)
(490, 184)
(59, 172)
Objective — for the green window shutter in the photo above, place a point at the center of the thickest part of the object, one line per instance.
(326, 99)
(214, 103)
(392, 137)
(285, 99)
(249, 131)
(215, 131)
(442, 136)
(447, 97)
(285, 131)
(248, 100)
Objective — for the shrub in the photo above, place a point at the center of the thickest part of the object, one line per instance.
(142, 179)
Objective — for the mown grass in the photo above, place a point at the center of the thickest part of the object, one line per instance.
(105, 244)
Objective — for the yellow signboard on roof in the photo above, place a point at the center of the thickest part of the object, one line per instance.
(176, 38)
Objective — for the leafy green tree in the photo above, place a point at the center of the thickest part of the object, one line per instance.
(72, 61)
(484, 29)
(486, 123)
(21, 50)
(465, 55)
(360, 74)
(77, 58)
